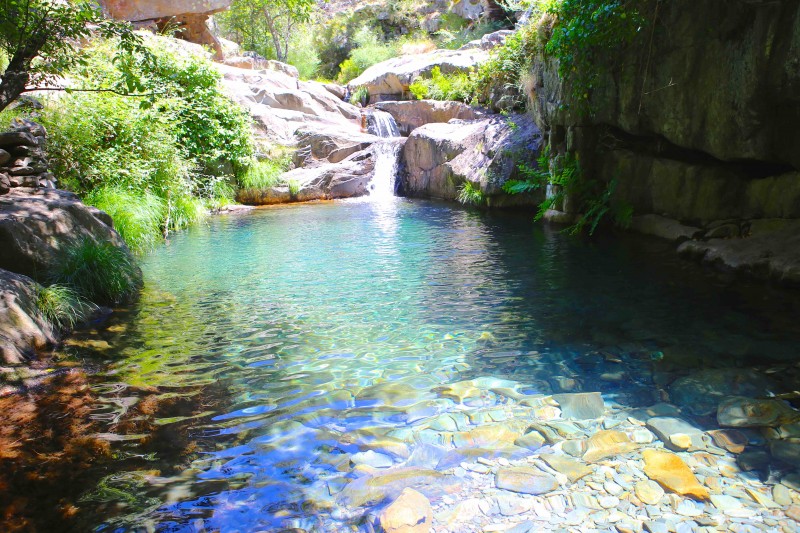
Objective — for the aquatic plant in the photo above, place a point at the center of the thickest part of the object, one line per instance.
(62, 306)
(100, 272)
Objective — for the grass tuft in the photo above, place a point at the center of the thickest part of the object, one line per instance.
(470, 194)
(99, 272)
(137, 216)
(62, 306)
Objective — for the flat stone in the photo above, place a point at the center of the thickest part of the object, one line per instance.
(671, 472)
(489, 436)
(525, 480)
(793, 512)
(750, 412)
(607, 443)
(574, 470)
(580, 406)
(762, 499)
(532, 441)
(608, 502)
(656, 526)
(575, 448)
(613, 488)
(676, 434)
(373, 459)
(725, 503)
(16, 138)
(410, 513)
(729, 439)
(649, 492)
(689, 508)
(782, 495)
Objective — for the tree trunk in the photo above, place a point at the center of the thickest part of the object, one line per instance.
(14, 80)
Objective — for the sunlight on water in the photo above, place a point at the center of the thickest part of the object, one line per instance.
(316, 330)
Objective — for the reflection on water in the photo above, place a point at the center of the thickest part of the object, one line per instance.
(321, 327)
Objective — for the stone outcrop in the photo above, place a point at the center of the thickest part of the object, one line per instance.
(37, 225)
(281, 104)
(190, 15)
(698, 126)
(389, 80)
(440, 157)
(22, 158)
(411, 114)
(22, 328)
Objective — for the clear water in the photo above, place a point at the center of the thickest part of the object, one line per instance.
(302, 325)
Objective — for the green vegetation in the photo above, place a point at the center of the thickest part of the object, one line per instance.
(62, 306)
(457, 86)
(562, 178)
(469, 194)
(360, 96)
(154, 163)
(265, 173)
(39, 42)
(369, 50)
(99, 272)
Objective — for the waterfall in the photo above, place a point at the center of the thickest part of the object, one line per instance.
(387, 155)
(382, 124)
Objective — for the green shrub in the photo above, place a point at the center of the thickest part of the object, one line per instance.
(456, 86)
(99, 272)
(469, 194)
(360, 96)
(138, 216)
(263, 174)
(369, 50)
(303, 53)
(62, 306)
(294, 187)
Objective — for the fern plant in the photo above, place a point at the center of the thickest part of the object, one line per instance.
(469, 194)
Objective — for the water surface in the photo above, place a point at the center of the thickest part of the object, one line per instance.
(298, 330)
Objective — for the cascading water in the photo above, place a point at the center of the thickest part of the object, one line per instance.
(387, 153)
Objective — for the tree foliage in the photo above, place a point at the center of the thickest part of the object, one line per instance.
(266, 26)
(40, 39)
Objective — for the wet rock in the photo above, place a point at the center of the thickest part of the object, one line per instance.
(410, 513)
(671, 472)
(663, 227)
(580, 406)
(702, 391)
(372, 489)
(525, 480)
(488, 436)
(729, 439)
(787, 450)
(649, 492)
(574, 470)
(782, 495)
(412, 114)
(607, 443)
(22, 328)
(725, 503)
(750, 412)
(793, 512)
(676, 434)
(456, 457)
(373, 459)
(532, 441)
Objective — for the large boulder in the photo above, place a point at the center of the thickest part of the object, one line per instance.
(37, 225)
(411, 114)
(281, 104)
(390, 79)
(331, 145)
(22, 327)
(439, 158)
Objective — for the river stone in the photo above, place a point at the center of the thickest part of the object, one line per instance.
(569, 467)
(580, 406)
(372, 458)
(373, 489)
(750, 412)
(782, 495)
(676, 434)
(671, 472)
(532, 441)
(489, 436)
(607, 443)
(702, 391)
(410, 513)
(525, 480)
(729, 439)
(456, 457)
(787, 450)
(649, 492)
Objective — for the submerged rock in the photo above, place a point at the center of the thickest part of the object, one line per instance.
(410, 513)
(574, 470)
(525, 480)
(607, 443)
(702, 391)
(750, 412)
(580, 406)
(671, 472)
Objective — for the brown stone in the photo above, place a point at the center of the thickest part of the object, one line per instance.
(729, 439)
(607, 443)
(671, 472)
(574, 470)
(410, 513)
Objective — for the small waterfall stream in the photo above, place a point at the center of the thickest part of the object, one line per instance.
(387, 153)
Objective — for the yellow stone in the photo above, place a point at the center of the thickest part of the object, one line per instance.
(410, 513)
(607, 443)
(673, 474)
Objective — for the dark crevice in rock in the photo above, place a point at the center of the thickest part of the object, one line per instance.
(614, 138)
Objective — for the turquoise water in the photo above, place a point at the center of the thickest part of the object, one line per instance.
(299, 333)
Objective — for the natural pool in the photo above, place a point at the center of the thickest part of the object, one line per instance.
(298, 336)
